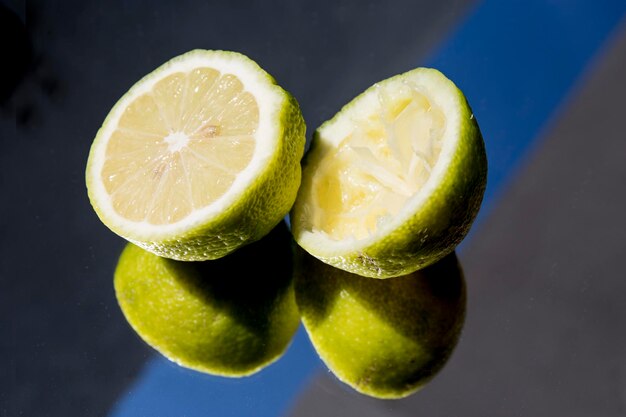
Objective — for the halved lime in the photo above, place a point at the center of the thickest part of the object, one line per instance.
(200, 157)
(394, 180)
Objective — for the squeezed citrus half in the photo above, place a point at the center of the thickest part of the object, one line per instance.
(394, 180)
(200, 157)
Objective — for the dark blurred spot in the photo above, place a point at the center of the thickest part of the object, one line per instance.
(25, 115)
(445, 278)
(49, 85)
(15, 50)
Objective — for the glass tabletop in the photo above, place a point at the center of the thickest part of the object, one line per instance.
(544, 331)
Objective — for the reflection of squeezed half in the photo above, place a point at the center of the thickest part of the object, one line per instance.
(381, 164)
(172, 154)
(385, 338)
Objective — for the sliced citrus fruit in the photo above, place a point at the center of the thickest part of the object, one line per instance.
(200, 157)
(216, 316)
(394, 180)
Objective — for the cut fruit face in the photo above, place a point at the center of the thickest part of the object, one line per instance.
(180, 146)
(394, 180)
(198, 158)
(383, 161)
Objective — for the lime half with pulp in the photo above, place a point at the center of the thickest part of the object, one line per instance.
(199, 158)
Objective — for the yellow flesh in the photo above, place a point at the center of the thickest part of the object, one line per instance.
(382, 163)
(179, 147)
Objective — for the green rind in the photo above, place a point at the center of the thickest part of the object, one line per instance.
(384, 338)
(261, 207)
(198, 316)
(437, 227)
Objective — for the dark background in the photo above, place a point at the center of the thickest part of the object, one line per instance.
(545, 333)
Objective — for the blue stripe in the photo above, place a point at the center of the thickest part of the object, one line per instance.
(516, 61)
(166, 390)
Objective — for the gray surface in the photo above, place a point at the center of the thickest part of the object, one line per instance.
(66, 349)
(545, 332)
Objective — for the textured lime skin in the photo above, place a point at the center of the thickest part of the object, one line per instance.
(384, 338)
(263, 204)
(439, 224)
(217, 317)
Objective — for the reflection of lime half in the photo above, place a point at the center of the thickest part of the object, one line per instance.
(215, 316)
(393, 182)
(384, 338)
(200, 157)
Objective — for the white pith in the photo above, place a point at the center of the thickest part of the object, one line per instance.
(269, 99)
(176, 141)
